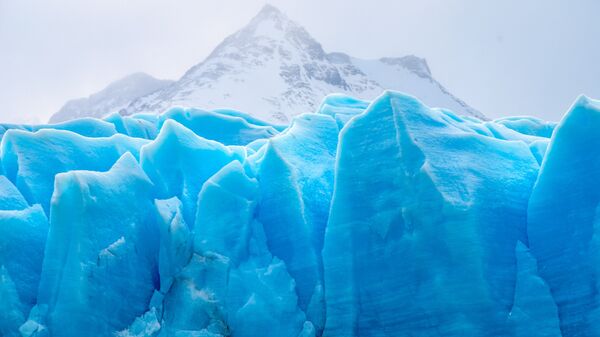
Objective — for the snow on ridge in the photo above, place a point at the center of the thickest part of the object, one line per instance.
(274, 69)
(113, 98)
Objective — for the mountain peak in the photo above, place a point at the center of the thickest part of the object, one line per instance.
(114, 97)
(272, 23)
(268, 34)
(269, 10)
(274, 69)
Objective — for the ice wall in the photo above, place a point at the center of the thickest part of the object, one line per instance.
(386, 218)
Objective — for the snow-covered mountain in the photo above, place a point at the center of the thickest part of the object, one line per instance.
(113, 98)
(274, 69)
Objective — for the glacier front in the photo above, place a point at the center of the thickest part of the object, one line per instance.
(382, 218)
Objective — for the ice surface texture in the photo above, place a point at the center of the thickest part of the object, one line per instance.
(386, 218)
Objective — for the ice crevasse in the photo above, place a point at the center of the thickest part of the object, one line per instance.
(382, 218)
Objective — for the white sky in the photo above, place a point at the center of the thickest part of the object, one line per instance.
(503, 57)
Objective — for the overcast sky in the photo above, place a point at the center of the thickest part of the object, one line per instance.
(503, 57)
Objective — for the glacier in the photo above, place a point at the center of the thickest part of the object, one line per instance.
(365, 218)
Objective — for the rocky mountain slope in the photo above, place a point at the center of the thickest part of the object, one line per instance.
(274, 69)
(114, 97)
